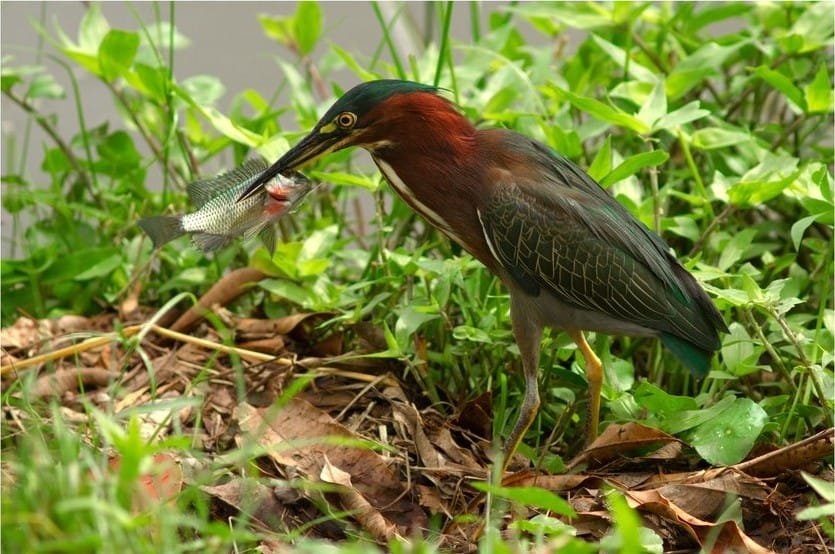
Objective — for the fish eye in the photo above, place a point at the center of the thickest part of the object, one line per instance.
(346, 120)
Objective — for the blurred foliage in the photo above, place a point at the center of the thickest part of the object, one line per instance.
(711, 123)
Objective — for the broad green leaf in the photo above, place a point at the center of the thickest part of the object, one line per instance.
(814, 27)
(727, 438)
(708, 13)
(348, 179)
(782, 84)
(529, 496)
(733, 250)
(711, 138)
(585, 16)
(101, 269)
(602, 163)
(410, 319)
(148, 80)
(620, 56)
(44, 86)
(799, 228)
(319, 243)
(660, 403)
(685, 114)
(818, 93)
(688, 419)
(472, 334)
(633, 165)
(602, 111)
(755, 192)
(353, 65)
(204, 89)
(116, 53)
(92, 30)
(280, 29)
(307, 26)
(739, 354)
(702, 63)
(291, 291)
(636, 92)
(656, 105)
(220, 122)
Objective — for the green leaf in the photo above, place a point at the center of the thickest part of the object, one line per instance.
(782, 84)
(353, 65)
(633, 165)
(755, 192)
(602, 111)
(148, 80)
(656, 105)
(290, 291)
(472, 334)
(688, 419)
(814, 27)
(686, 114)
(117, 52)
(818, 93)
(92, 30)
(44, 86)
(220, 122)
(659, 402)
(307, 26)
(799, 228)
(713, 13)
(602, 163)
(702, 63)
(101, 269)
(711, 138)
(205, 90)
(619, 56)
(727, 438)
(410, 319)
(734, 248)
(529, 496)
(277, 28)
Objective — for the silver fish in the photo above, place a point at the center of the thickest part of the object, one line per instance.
(219, 218)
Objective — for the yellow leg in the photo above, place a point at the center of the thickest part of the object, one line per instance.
(594, 373)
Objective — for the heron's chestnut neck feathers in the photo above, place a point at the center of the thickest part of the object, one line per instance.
(431, 156)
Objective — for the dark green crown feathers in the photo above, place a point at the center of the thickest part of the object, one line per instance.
(365, 96)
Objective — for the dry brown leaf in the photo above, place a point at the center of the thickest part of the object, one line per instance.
(793, 456)
(361, 510)
(66, 380)
(301, 436)
(618, 439)
(727, 535)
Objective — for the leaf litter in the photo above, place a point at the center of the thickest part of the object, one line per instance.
(321, 423)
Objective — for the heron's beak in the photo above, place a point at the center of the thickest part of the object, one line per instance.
(308, 149)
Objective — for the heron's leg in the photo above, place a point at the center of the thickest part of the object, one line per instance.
(528, 334)
(594, 373)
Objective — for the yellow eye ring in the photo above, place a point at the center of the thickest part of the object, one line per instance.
(345, 120)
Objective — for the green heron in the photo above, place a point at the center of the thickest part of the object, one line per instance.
(571, 256)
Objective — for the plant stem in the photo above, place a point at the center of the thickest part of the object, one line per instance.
(691, 163)
(44, 124)
(401, 73)
(444, 47)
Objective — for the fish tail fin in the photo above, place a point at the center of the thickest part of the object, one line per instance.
(208, 242)
(162, 228)
(694, 358)
(267, 236)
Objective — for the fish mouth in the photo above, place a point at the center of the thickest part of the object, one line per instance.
(308, 149)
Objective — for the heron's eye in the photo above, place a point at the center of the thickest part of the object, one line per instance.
(346, 120)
